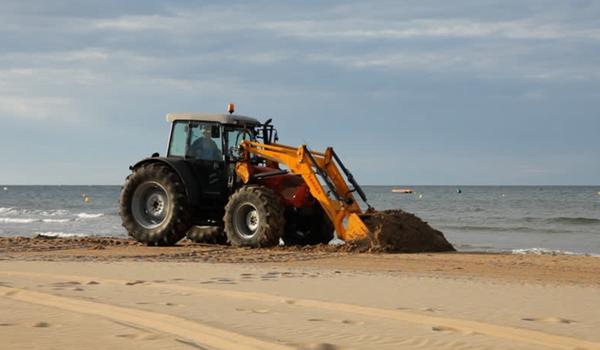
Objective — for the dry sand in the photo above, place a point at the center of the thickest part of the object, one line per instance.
(115, 294)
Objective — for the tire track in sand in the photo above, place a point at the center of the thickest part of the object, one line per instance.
(466, 326)
(189, 330)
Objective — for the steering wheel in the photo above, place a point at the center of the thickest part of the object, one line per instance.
(235, 151)
(243, 135)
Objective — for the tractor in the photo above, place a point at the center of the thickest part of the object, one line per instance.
(226, 179)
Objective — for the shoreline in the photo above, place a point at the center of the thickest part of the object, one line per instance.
(529, 268)
(460, 247)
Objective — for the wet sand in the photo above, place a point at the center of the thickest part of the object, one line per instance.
(98, 293)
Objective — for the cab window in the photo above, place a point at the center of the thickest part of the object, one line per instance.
(236, 136)
(178, 139)
(205, 142)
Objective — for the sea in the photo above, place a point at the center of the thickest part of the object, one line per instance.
(516, 219)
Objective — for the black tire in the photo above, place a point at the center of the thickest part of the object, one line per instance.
(207, 234)
(254, 217)
(154, 206)
(311, 230)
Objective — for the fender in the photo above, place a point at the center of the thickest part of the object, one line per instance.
(183, 170)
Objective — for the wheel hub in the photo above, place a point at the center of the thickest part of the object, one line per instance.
(155, 204)
(246, 220)
(252, 220)
(150, 204)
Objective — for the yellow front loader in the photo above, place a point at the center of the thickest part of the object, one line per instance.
(321, 172)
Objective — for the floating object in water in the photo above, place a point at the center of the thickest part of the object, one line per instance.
(458, 190)
(6, 189)
(86, 198)
(503, 195)
(420, 196)
(402, 190)
(598, 191)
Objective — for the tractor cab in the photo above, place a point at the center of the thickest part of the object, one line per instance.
(209, 137)
(209, 144)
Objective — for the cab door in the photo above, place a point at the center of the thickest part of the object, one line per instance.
(205, 153)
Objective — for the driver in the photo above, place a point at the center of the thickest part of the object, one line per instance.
(205, 147)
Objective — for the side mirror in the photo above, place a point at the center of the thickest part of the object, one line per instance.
(215, 131)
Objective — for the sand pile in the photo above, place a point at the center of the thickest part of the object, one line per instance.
(400, 232)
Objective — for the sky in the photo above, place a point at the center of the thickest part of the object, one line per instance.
(409, 92)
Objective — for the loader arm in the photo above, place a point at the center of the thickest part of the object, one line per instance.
(336, 200)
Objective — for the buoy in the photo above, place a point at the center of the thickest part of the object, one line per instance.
(503, 195)
(598, 191)
(420, 196)
(6, 189)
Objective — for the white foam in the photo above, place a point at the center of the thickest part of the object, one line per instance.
(55, 212)
(60, 234)
(35, 212)
(4, 210)
(544, 251)
(55, 220)
(17, 220)
(89, 216)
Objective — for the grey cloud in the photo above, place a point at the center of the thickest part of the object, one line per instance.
(514, 79)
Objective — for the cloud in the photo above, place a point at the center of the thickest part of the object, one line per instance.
(486, 61)
(36, 108)
(137, 23)
(360, 29)
(453, 75)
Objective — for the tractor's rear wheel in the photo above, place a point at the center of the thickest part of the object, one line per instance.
(154, 206)
(254, 217)
(309, 230)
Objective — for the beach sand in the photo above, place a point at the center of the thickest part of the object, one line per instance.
(102, 293)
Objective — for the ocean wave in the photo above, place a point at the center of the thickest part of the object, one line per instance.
(18, 220)
(574, 220)
(5, 210)
(56, 220)
(544, 251)
(33, 212)
(54, 212)
(526, 229)
(567, 220)
(89, 216)
(60, 234)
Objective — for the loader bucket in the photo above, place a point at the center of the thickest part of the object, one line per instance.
(397, 231)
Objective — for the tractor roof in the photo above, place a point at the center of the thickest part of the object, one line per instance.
(208, 117)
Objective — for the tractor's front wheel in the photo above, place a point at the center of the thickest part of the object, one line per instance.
(254, 217)
(154, 207)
